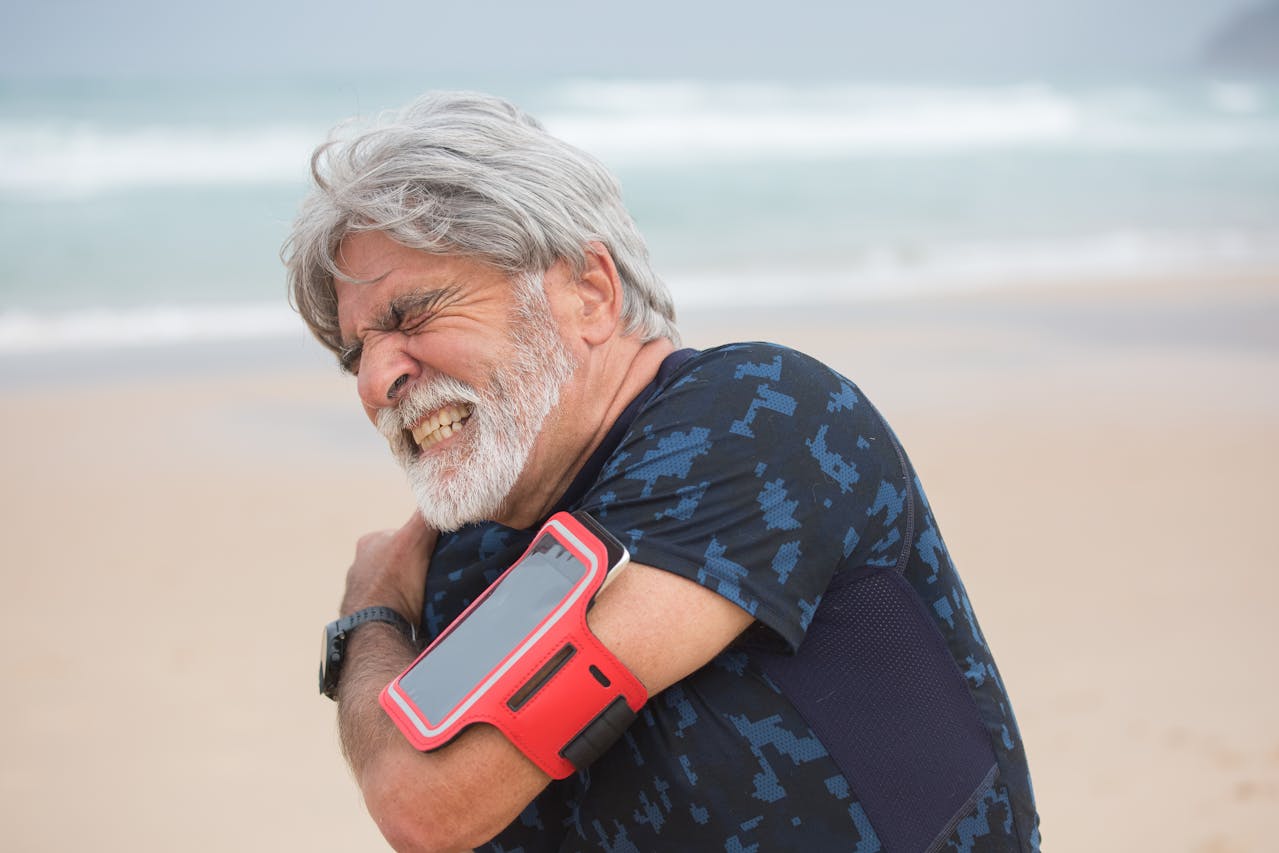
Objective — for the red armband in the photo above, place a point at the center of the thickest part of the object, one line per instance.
(523, 658)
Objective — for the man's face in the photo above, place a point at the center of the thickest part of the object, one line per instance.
(457, 366)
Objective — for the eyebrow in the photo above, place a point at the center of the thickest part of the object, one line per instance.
(391, 318)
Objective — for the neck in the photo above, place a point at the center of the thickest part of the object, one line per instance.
(603, 385)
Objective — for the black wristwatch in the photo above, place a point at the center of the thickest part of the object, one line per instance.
(336, 632)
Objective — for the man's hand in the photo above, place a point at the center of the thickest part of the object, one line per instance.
(390, 569)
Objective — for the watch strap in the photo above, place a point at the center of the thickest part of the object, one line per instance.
(377, 614)
(338, 631)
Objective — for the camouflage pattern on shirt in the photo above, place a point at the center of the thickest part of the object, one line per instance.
(758, 473)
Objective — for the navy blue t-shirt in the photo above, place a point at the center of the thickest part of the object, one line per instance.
(862, 711)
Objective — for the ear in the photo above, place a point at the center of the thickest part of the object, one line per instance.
(599, 295)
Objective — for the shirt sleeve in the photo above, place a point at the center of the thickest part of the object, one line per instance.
(756, 472)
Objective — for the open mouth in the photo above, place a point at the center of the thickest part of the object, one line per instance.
(440, 424)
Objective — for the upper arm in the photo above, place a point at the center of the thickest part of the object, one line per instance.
(663, 626)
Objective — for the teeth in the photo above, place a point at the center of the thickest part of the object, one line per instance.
(440, 425)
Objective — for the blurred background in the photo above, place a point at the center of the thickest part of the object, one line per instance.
(152, 155)
(1044, 237)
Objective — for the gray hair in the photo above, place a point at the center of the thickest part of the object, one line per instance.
(469, 174)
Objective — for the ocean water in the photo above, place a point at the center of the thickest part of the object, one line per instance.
(151, 212)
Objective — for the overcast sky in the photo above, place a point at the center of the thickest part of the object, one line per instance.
(744, 38)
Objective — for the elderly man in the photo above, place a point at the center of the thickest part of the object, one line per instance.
(816, 677)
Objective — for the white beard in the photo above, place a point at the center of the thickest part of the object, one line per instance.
(470, 480)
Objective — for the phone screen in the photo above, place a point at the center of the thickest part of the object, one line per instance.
(515, 606)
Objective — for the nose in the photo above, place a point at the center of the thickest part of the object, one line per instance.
(385, 371)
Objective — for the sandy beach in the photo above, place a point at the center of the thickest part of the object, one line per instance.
(1101, 458)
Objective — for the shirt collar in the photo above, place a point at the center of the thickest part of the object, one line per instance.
(591, 470)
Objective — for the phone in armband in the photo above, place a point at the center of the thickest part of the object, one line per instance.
(523, 658)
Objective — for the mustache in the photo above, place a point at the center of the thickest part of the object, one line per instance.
(420, 400)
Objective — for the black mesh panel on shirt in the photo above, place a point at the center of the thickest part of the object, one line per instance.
(875, 681)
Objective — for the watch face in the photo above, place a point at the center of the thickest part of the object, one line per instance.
(330, 659)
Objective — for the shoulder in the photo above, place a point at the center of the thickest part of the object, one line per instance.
(740, 385)
(752, 471)
(751, 360)
(745, 370)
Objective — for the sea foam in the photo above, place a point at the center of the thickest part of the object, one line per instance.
(637, 122)
(24, 332)
(887, 273)
(634, 123)
(71, 158)
(884, 273)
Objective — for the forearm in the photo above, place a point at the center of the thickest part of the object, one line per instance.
(451, 799)
(413, 797)
(377, 753)
(375, 655)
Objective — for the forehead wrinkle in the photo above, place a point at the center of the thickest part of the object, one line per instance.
(346, 279)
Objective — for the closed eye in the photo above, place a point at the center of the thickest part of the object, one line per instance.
(414, 321)
(409, 313)
(406, 314)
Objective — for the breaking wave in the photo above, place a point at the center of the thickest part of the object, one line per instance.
(635, 123)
